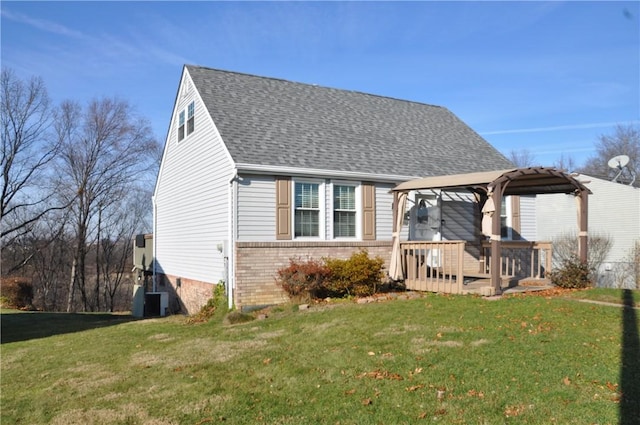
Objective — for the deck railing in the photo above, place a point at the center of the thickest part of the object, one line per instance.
(520, 259)
(439, 266)
(434, 266)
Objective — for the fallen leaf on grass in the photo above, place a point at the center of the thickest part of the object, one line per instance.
(266, 361)
(612, 387)
(511, 411)
(366, 402)
(474, 393)
(380, 374)
(414, 388)
(351, 391)
(566, 380)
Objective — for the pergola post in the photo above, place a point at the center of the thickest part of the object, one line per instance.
(583, 220)
(496, 245)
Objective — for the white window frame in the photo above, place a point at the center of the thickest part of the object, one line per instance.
(191, 115)
(508, 215)
(183, 115)
(182, 123)
(321, 207)
(358, 210)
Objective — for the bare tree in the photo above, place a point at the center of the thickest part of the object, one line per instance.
(522, 158)
(27, 151)
(116, 250)
(104, 148)
(49, 267)
(565, 163)
(625, 140)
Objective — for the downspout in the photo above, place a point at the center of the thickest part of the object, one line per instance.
(230, 251)
(155, 241)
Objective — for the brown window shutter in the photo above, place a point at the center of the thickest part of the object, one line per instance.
(515, 217)
(283, 208)
(368, 211)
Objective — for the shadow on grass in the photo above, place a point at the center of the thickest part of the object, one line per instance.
(23, 326)
(630, 364)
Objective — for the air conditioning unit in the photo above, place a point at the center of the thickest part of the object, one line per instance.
(156, 304)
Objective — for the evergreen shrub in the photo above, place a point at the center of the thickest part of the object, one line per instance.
(359, 275)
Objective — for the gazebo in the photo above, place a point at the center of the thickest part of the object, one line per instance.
(440, 266)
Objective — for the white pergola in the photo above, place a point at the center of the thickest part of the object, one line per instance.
(489, 187)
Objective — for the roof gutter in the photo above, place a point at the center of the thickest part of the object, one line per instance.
(277, 170)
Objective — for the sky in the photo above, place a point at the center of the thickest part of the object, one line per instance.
(546, 77)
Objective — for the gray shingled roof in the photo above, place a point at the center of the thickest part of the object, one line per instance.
(272, 122)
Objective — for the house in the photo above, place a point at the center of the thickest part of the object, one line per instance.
(258, 170)
(614, 213)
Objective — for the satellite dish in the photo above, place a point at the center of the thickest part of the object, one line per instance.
(618, 162)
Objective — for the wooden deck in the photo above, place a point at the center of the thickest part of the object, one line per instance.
(483, 286)
(447, 267)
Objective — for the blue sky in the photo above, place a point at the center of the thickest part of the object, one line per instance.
(549, 77)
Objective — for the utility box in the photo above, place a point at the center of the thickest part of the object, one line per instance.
(143, 253)
(137, 307)
(156, 304)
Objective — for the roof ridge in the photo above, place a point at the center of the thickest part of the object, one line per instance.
(314, 85)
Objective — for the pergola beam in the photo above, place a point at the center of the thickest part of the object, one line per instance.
(499, 183)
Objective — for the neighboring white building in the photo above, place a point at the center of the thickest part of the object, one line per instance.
(614, 211)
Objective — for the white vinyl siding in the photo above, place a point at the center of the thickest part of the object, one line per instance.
(192, 201)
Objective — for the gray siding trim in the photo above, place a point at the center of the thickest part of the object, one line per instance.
(458, 213)
(257, 209)
(528, 226)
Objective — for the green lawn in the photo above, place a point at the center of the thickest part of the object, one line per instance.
(435, 359)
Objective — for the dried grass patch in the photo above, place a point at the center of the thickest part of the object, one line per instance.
(199, 351)
(127, 413)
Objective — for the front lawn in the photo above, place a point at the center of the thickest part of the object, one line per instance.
(444, 359)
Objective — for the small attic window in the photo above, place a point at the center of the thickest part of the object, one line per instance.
(189, 113)
(181, 126)
(191, 118)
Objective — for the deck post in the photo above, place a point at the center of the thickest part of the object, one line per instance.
(583, 220)
(496, 246)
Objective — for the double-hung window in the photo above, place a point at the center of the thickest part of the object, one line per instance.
(323, 209)
(181, 126)
(344, 211)
(307, 219)
(189, 122)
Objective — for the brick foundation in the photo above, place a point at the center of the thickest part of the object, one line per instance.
(188, 297)
(257, 264)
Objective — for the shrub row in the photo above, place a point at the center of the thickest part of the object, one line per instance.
(17, 293)
(359, 275)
